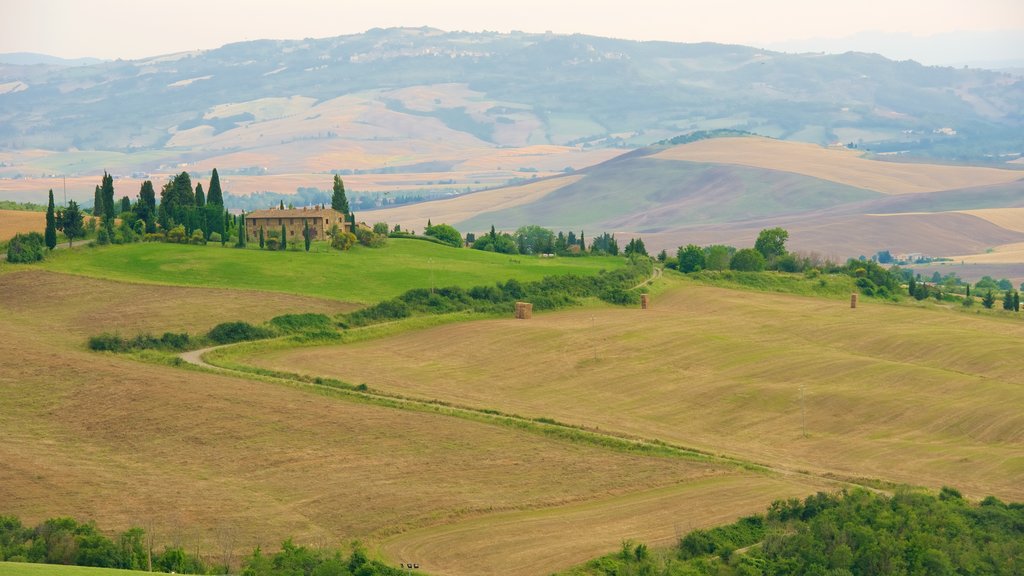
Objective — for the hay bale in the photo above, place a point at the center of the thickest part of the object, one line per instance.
(524, 310)
(644, 301)
(853, 300)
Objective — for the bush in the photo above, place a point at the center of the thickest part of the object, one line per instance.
(302, 322)
(747, 260)
(197, 237)
(446, 233)
(108, 342)
(176, 235)
(216, 237)
(25, 248)
(229, 332)
(154, 237)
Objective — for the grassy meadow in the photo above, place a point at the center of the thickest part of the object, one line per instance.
(362, 275)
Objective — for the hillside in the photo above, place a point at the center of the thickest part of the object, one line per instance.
(835, 202)
(401, 97)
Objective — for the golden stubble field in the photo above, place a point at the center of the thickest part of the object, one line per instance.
(224, 463)
(838, 165)
(18, 222)
(920, 396)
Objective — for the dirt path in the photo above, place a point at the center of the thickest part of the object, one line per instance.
(195, 357)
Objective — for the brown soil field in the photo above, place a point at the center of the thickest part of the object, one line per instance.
(838, 165)
(926, 397)
(18, 222)
(224, 463)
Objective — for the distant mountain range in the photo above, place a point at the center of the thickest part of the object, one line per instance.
(498, 90)
(32, 59)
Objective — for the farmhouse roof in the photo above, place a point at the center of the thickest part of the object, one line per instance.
(294, 213)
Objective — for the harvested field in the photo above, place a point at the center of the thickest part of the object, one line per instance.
(838, 165)
(930, 397)
(1009, 218)
(214, 461)
(18, 222)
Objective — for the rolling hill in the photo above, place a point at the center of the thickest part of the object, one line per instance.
(835, 202)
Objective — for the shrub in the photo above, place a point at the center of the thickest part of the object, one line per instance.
(302, 322)
(108, 342)
(216, 237)
(176, 235)
(747, 260)
(197, 237)
(154, 237)
(229, 332)
(25, 248)
(446, 233)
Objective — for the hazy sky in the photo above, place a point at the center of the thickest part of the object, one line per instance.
(137, 28)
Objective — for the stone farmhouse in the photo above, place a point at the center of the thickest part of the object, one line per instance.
(320, 222)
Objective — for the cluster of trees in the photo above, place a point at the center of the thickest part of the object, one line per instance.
(549, 293)
(535, 239)
(68, 542)
(852, 532)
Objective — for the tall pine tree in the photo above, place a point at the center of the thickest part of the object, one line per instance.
(214, 194)
(200, 197)
(51, 224)
(146, 207)
(338, 199)
(305, 233)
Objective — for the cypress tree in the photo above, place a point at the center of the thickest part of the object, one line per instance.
(227, 224)
(305, 233)
(912, 287)
(261, 238)
(241, 232)
(51, 224)
(126, 204)
(284, 238)
(97, 203)
(214, 194)
(281, 207)
(1008, 300)
(1016, 301)
(583, 242)
(108, 196)
(339, 201)
(200, 197)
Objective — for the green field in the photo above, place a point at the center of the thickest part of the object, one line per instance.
(361, 275)
(24, 569)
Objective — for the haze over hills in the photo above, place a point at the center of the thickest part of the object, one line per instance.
(491, 89)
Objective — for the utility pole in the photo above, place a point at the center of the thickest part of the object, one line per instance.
(803, 412)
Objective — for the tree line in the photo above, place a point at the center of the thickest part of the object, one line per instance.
(842, 534)
(69, 542)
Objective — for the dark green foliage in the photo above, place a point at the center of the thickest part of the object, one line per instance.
(853, 532)
(771, 243)
(549, 293)
(177, 203)
(989, 300)
(51, 224)
(26, 248)
(339, 201)
(126, 204)
(604, 244)
(284, 238)
(214, 195)
(502, 243)
(747, 260)
(690, 259)
(262, 241)
(229, 332)
(145, 208)
(305, 234)
(240, 243)
(107, 193)
(70, 221)
(635, 246)
(22, 206)
(172, 341)
(302, 323)
(97, 202)
(912, 286)
(534, 239)
(1008, 299)
(445, 233)
(200, 196)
